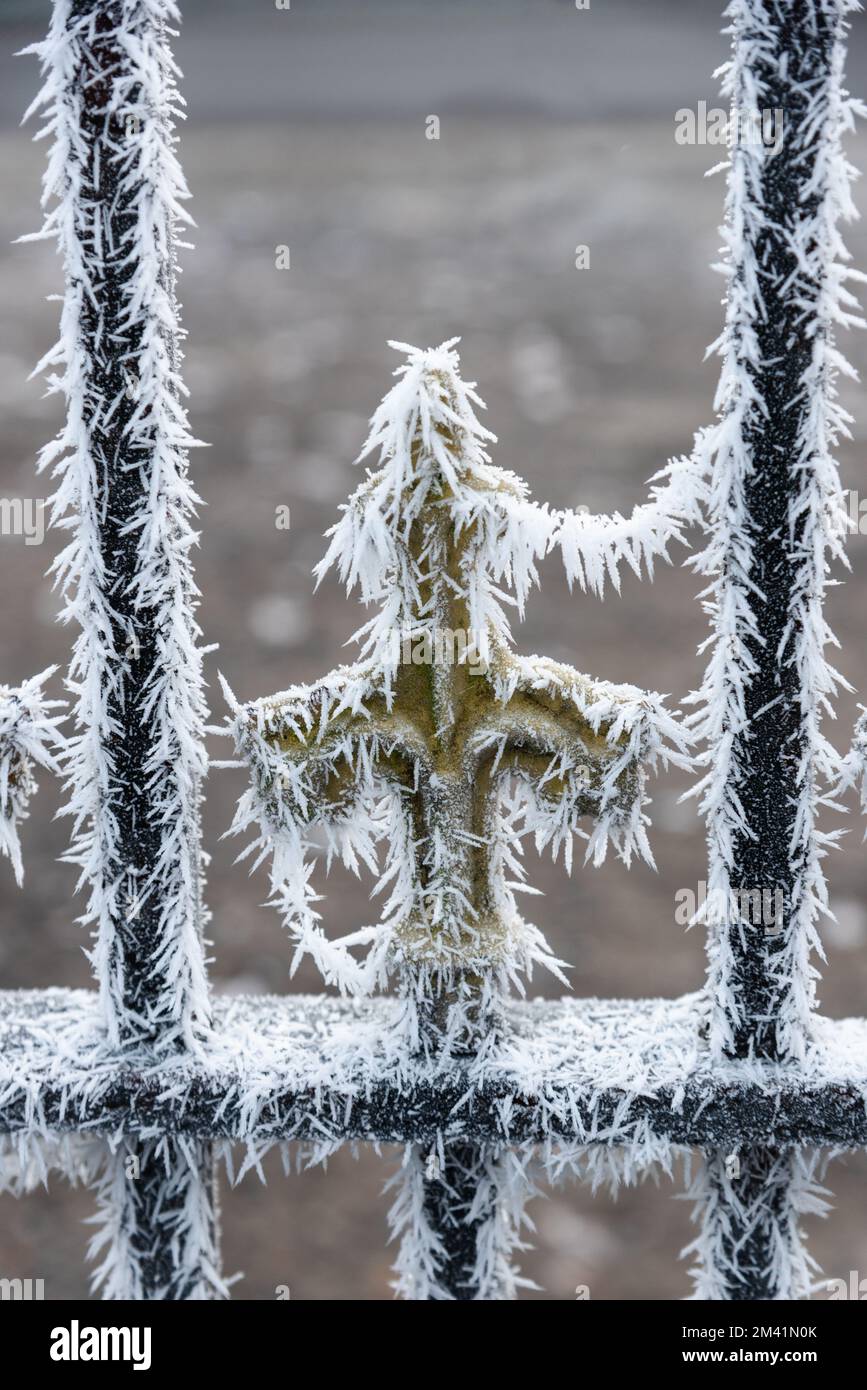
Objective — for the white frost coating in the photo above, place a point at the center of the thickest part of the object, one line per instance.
(28, 736)
(593, 546)
(28, 1159)
(818, 506)
(142, 90)
(334, 734)
(501, 1185)
(518, 531)
(729, 1221)
(187, 1224)
(434, 537)
(853, 772)
(326, 1051)
(639, 729)
(505, 1179)
(295, 1064)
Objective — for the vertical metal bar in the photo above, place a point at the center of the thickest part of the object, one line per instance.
(122, 448)
(463, 1186)
(751, 1245)
(770, 744)
(451, 1207)
(770, 792)
(778, 390)
(136, 772)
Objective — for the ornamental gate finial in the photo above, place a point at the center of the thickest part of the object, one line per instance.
(441, 742)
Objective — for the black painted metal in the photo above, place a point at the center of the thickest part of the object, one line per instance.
(787, 74)
(123, 476)
(707, 1106)
(715, 1114)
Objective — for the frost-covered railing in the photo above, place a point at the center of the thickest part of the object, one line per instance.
(434, 755)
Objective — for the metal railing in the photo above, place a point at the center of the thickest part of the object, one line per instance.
(130, 1088)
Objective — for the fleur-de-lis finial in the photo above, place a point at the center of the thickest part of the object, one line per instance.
(440, 741)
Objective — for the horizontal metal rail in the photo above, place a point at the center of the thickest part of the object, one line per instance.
(313, 1068)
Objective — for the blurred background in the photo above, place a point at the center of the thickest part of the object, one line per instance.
(307, 128)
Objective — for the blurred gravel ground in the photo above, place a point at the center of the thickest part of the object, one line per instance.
(593, 379)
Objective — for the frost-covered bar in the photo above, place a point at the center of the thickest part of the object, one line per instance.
(586, 1072)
